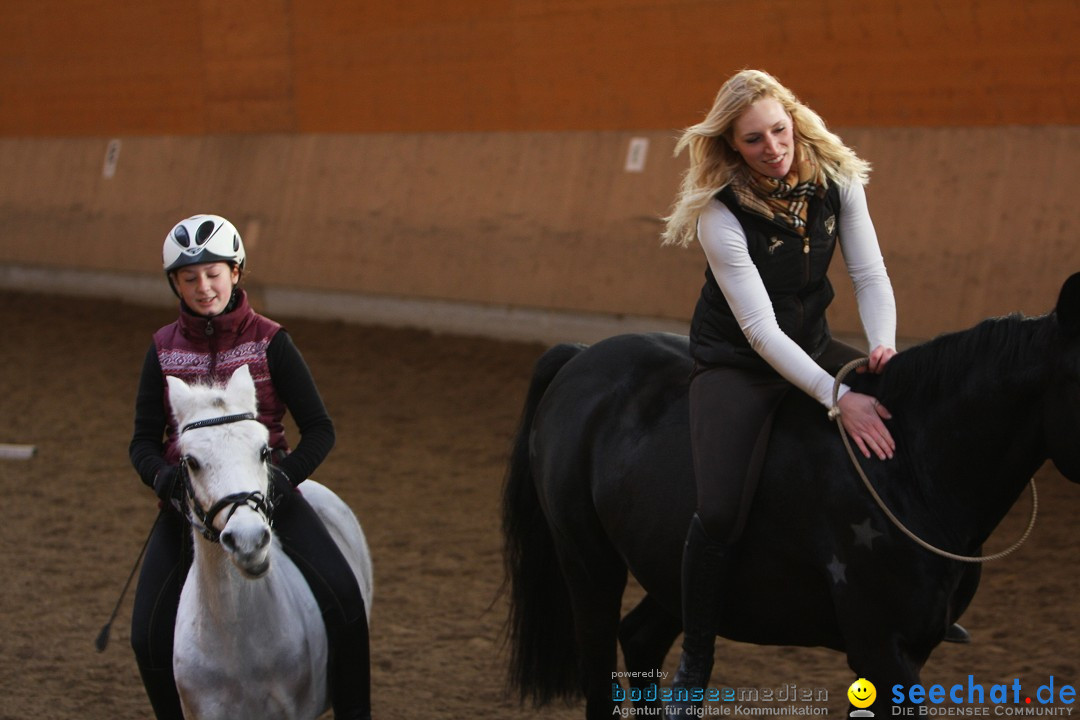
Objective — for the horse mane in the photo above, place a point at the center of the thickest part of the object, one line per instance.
(996, 353)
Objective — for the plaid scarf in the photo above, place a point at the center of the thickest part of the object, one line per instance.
(786, 200)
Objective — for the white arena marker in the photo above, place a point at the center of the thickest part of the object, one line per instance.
(635, 154)
(16, 452)
(112, 156)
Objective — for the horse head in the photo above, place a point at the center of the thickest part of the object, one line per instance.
(1062, 407)
(224, 467)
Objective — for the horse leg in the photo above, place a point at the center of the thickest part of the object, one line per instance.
(596, 598)
(886, 665)
(646, 634)
(966, 587)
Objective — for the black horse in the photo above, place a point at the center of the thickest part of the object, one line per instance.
(600, 482)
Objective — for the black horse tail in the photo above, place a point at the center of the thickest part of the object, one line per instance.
(540, 625)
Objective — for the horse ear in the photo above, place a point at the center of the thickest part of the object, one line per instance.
(179, 397)
(241, 388)
(1068, 306)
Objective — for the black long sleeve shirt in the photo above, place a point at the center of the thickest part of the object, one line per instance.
(294, 385)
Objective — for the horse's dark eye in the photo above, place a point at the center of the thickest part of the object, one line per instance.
(191, 462)
(265, 454)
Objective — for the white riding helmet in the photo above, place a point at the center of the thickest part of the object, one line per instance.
(202, 239)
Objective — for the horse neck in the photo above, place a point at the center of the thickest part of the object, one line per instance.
(972, 448)
(224, 594)
(217, 582)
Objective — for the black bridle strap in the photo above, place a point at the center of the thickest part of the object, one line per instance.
(224, 420)
(205, 518)
(254, 500)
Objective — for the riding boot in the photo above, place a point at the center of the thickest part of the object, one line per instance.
(349, 671)
(161, 689)
(153, 615)
(704, 572)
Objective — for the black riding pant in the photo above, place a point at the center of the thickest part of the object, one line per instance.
(306, 541)
(731, 411)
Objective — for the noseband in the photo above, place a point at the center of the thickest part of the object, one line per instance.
(203, 520)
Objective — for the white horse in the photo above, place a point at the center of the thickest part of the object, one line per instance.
(249, 640)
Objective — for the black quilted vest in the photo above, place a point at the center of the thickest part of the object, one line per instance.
(794, 272)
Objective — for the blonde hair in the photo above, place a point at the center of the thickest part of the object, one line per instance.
(714, 161)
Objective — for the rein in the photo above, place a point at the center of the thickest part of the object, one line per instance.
(834, 414)
(203, 520)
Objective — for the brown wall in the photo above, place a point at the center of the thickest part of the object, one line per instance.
(330, 133)
(117, 67)
(973, 222)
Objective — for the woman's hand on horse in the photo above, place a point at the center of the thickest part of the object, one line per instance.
(880, 355)
(863, 417)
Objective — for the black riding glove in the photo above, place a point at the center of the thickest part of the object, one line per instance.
(280, 486)
(167, 485)
(166, 481)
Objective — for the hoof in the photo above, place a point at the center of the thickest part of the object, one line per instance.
(957, 634)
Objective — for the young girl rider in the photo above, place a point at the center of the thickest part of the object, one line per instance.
(216, 332)
(769, 194)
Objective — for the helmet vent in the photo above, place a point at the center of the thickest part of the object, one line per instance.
(204, 232)
(181, 236)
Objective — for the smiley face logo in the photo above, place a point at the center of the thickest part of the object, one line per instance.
(862, 693)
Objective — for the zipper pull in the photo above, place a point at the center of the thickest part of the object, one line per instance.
(806, 246)
(209, 327)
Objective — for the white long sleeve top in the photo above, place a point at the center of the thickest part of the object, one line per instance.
(724, 241)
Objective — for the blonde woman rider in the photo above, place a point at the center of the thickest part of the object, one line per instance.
(769, 194)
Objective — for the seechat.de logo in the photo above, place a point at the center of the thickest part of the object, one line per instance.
(973, 699)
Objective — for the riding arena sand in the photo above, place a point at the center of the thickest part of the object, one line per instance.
(424, 424)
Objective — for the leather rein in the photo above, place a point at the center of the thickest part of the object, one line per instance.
(834, 414)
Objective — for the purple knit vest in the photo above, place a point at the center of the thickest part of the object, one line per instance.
(188, 351)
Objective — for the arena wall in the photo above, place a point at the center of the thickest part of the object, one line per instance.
(418, 161)
(115, 67)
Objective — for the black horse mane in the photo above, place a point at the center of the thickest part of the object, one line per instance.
(998, 352)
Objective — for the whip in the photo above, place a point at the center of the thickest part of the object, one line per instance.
(103, 637)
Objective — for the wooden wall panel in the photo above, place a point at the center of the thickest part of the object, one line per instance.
(973, 221)
(474, 151)
(582, 65)
(104, 67)
(88, 67)
(248, 63)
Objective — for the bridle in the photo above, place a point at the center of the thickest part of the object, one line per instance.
(203, 520)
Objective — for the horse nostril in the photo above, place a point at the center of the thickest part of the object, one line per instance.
(264, 538)
(228, 541)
